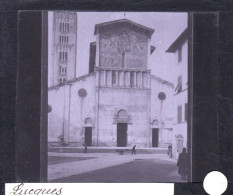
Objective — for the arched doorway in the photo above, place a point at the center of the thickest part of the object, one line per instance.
(88, 132)
(122, 127)
(155, 133)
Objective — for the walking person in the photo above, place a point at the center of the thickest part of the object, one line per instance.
(182, 164)
(134, 150)
(85, 148)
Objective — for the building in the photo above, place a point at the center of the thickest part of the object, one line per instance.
(180, 69)
(119, 102)
(64, 47)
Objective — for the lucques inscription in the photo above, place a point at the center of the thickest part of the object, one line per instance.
(123, 49)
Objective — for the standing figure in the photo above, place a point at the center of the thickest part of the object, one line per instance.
(85, 148)
(169, 151)
(182, 164)
(134, 150)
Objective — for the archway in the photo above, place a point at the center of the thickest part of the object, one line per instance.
(155, 133)
(122, 127)
(88, 131)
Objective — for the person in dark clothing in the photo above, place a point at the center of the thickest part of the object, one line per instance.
(169, 151)
(85, 148)
(182, 164)
(134, 150)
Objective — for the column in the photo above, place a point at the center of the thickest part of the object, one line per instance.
(126, 79)
(141, 76)
(105, 77)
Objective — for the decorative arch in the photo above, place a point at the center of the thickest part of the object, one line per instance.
(155, 123)
(121, 116)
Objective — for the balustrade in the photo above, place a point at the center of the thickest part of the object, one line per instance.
(121, 78)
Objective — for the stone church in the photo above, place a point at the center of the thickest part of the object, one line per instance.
(119, 102)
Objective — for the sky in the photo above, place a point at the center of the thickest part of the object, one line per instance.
(167, 25)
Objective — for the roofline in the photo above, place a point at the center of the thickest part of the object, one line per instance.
(123, 20)
(71, 81)
(163, 81)
(179, 41)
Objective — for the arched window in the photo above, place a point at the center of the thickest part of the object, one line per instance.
(60, 26)
(66, 55)
(60, 80)
(60, 55)
(68, 26)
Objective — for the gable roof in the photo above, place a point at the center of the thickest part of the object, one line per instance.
(71, 81)
(124, 22)
(178, 42)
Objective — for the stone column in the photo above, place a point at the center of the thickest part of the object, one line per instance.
(127, 79)
(105, 77)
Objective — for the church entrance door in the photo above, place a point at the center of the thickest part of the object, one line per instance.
(155, 137)
(121, 134)
(88, 136)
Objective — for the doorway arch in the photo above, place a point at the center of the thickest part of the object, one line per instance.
(88, 131)
(155, 133)
(122, 128)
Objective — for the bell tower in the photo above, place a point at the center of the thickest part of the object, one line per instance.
(64, 46)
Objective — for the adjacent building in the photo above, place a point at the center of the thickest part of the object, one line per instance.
(180, 69)
(118, 102)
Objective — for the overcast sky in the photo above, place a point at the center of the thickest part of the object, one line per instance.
(167, 26)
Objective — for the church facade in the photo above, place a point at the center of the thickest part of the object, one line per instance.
(119, 102)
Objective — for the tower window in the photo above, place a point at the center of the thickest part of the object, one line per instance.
(66, 56)
(113, 77)
(60, 55)
(131, 79)
(60, 26)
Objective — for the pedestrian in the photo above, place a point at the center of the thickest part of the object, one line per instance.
(85, 148)
(169, 150)
(182, 164)
(134, 150)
